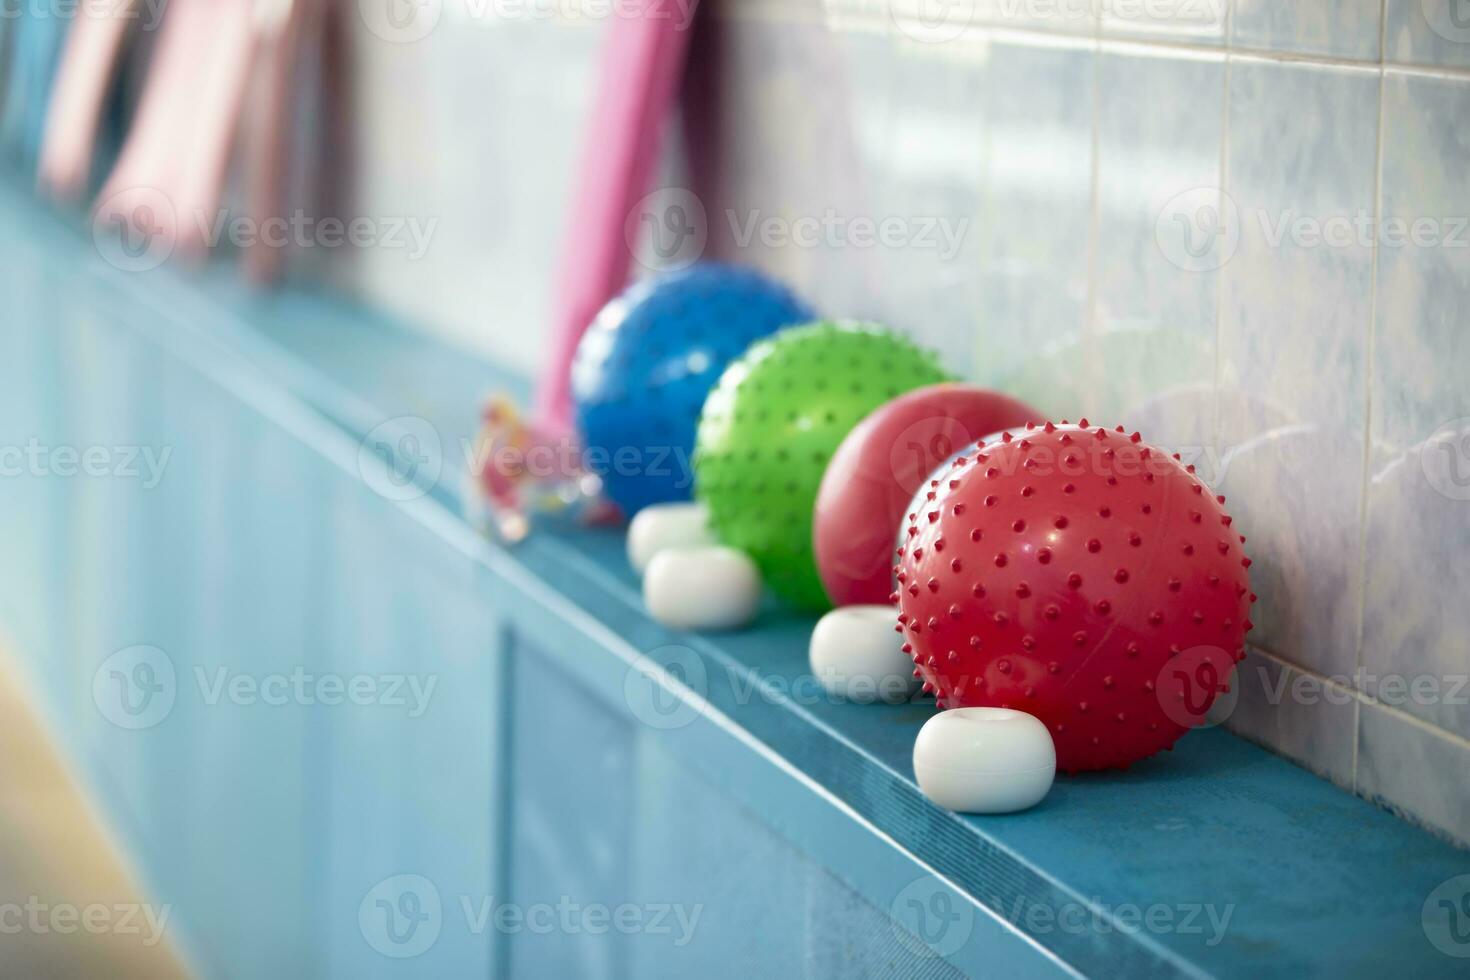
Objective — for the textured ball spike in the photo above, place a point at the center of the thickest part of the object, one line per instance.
(647, 363)
(1117, 631)
(772, 424)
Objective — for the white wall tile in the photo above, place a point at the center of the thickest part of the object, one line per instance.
(1152, 335)
(1419, 496)
(1298, 715)
(834, 95)
(1294, 333)
(1035, 214)
(454, 128)
(1416, 769)
(937, 23)
(1177, 21)
(1427, 32)
(1336, 28)
(928, 187)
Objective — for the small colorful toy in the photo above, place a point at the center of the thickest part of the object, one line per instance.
(644, 367)
(520, 472)
(1080, 575)
(876, 470)
(771, 426)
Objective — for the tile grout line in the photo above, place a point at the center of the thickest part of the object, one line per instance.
(1094, 217)
(1223, 176)
(1382, 33)
(1370, 352)
(1360, 699)
(839, 18)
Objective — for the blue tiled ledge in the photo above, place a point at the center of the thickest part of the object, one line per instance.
(1313, 880)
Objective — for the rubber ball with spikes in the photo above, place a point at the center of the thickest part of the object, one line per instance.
(1080, 575)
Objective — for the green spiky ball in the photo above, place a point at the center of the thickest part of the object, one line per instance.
(772, 423)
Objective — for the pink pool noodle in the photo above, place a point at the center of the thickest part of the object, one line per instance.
(642, 64)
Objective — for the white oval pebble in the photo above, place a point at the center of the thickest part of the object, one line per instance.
(702, 588)
(857, 656)
(985, 760)
(661, 526)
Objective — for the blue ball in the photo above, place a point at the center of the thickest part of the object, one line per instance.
(645, 365)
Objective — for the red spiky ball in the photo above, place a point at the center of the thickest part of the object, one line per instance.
(1081, 575)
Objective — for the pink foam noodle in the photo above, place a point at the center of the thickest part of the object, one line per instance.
(641, 69)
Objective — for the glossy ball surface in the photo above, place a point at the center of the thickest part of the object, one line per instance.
(771, 426)
(646, 364)
(878, 468)
(1082, 576)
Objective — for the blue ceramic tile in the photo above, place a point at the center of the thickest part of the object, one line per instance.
(1294, 327)
(1151, 343)
(1336, 28)
(1419, 495)
(1427, 32)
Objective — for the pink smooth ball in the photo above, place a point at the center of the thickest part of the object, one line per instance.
(878, 467)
